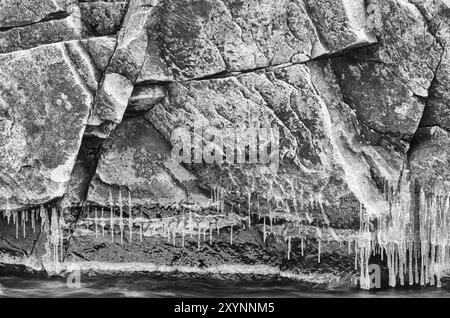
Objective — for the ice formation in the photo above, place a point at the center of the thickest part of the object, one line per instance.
(415, 234)
(412, 238)
(51, 227)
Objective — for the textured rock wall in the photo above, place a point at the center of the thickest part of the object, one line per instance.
(92, 93)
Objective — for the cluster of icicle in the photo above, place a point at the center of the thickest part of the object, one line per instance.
(175, 228)
(51, 224)
(107, 219)
(293, 208)
(414, 236)
(20, 220)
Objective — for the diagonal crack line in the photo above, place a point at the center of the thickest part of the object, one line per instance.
(60, 15)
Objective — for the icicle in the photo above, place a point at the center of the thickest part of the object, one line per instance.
(432, 263)
(8, 209)
(141, 224)
(319, 251)
(96, 223)
(55, 240)
(112, 225)
(121, 224)
(210, 234)
(302, 245)
(24, 224)
(416, 265)
(271, 219)
(199, 237)
(410, 267)
(16, 222)
(182, 237)
(61, 237)
(130, 217)
(111, 202)
(422, 271)
(401, 264)
(103, 223)
(42, 215)
(289, 248)
(249, 210)
(265, 231)
(231, 236)
(258, 208)
(33, 221)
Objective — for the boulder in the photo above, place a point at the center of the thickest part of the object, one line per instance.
(40, 143)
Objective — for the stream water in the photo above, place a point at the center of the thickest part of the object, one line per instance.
(141, 287)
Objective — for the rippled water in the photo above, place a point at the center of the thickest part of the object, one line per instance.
(13, 286)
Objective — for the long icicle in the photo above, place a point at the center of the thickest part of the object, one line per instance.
(130, 217)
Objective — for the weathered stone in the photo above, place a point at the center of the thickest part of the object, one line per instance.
(407, 47)
(100, 50)
(21, 245)
(103, 18)
(433, 10)
(197, 39)
(39, 143)
(384, 83)
(124, 67)
(342, 24)
(284, 98)
(437, 111)
(429, 160)
(381, 101)
(370, 160)
(91, 57)
(114, 94)
(26, 37)
(134, 160)
(145, 97)
(19, 13)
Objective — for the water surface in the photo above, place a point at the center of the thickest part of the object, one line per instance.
(16, 286)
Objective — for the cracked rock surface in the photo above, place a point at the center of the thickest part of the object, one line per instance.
(92, 94)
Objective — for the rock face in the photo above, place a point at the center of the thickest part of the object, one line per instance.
(135, 157)
(226, 138)
(195, 39)
(41, 142)
(20, 13)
